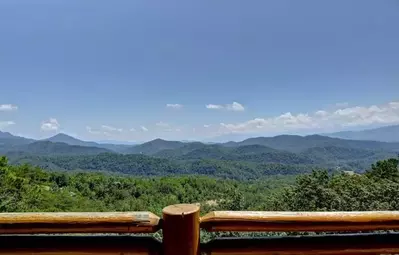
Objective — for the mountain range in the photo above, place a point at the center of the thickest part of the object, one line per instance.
(251, 158)
(382, 134)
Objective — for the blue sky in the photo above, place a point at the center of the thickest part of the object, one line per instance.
(108, 69)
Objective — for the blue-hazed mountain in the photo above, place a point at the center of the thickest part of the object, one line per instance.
(290, 143)
(9, 141)
(296, 143)
(382, 134)
(285, 154)
(53, 148)
(63, 138)
(6, 137)
(154, 146)
(328, 156)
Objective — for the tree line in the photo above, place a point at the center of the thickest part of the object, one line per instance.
(26, 188)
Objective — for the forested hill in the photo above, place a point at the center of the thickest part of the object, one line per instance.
(384, 134)
(51, 148)
(291, 143)
(154, 146)
(249, 159)
(25, 188)
(296, 143)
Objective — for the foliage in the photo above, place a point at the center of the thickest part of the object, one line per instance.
(378, 189)
(250, 159)
(25, 188)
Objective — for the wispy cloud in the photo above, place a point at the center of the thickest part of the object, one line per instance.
(50, 125)
(111, 129)
(237, 107)
(4, 124)
(321, 119)
(206, 126)
(174, 106)
(214, 106)
(132, 130)
(8, 107)
(143, 128)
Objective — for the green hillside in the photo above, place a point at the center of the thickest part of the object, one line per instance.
(26, 188)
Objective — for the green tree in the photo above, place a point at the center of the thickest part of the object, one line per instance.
(385, 169)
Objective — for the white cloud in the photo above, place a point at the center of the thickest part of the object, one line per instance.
(144, 128)
(4, 124)
(394, 105)
(214, 106)
(132, 130)
(111, 129)
(174, 106)
(321, 113)
(206, 126)
(237, 107)
(50, 125)
(321, 119)
(162, 124)
(8, 107)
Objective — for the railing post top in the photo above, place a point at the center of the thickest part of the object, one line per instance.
(181, 209)
(181, 229)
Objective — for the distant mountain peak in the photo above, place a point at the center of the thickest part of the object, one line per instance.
(64, 138)
(6, 135)
(62, 135)
(9, 136)
(158, 140)
(381, 134)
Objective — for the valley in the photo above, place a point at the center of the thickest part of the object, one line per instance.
(252, 158)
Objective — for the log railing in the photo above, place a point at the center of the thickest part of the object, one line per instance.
(300, 221)
(181, 224)
(93, 222)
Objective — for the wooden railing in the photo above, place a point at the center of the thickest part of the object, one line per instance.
(181, 224)
(95, 222)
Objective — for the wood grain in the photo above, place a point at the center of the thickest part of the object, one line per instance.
(114, 222)
(74, 245)
(181, 229)
(321, 245)
(300, 221)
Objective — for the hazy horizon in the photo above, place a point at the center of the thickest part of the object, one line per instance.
(218, 139)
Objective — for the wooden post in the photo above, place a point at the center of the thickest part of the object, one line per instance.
(181, 229)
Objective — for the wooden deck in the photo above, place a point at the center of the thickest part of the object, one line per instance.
(181, 224)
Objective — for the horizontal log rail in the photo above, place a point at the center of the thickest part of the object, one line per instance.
(115, 245)
(73, 222)
(78, 245)
(181, 225)
(347, 244)
(300, 221)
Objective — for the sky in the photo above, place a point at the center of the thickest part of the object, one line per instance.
(197, 70)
